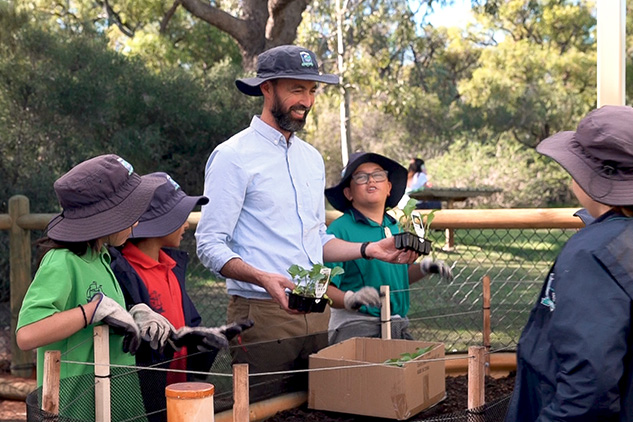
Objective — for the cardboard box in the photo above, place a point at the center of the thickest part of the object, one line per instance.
(385, 391)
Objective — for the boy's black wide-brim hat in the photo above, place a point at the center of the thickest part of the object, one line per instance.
(284, 62)
(397, 176)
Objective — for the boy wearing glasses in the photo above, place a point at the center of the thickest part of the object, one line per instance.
(370, 183)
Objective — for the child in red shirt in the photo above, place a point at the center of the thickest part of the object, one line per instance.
(151, 270)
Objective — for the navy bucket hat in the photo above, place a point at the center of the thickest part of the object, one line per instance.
(100, 196)
(397, 175)
(599, 154)
(284, 62)
(168, 211)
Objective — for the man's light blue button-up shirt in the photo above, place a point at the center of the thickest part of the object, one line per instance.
(266, 205)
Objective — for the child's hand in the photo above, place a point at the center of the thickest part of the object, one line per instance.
(113, 314)
(153, 327)
(367, 296)
(428, 266)
(206, 338)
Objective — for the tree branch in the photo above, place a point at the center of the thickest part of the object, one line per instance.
(168, 16)
(235, 27)
(116, 19)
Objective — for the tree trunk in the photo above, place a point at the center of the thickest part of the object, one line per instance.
(263, 24)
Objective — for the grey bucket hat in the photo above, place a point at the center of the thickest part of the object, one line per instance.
(100, 196)
(599, 154)
(397, 175)
(284, 62)
(169, 209)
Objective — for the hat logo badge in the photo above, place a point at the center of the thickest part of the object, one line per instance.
(306, 59)
(173, 182)
(127, 165)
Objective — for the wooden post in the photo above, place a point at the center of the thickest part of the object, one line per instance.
(190, 402)
(385, 313)
(20, 278)
(50, 381)
(611, 60)
(486, 309)
(240, 393)
(102, 373)
(476, 379)
(450, 234)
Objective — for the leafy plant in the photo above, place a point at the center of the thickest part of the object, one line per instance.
(308, 281)
(406, 357)
(412, 222)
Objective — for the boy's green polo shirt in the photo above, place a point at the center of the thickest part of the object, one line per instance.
(355, 227)
(62, 282)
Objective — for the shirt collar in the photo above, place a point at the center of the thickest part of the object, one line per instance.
(133, 254)
(270, 133)
(360, 218)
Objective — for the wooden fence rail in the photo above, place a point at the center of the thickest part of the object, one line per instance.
(19, 223)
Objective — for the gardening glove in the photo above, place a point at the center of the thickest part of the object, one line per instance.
(208, 339)
(113, 314)
(153, 327)
(428, 266)
(367, 296)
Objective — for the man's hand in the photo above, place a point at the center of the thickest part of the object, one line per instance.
(367, 296)
(428, 266)
(276, 285)
(207, 339)
(153, 327)
(385, 250)
(113, 314)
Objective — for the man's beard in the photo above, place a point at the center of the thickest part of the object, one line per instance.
(284, 119)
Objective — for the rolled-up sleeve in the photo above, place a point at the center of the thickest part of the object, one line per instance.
(225, 185)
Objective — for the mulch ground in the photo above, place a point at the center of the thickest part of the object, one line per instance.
(456, 400)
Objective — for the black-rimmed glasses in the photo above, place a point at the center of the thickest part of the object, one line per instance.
(363, 178)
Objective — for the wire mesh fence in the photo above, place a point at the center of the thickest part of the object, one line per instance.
(516, 260)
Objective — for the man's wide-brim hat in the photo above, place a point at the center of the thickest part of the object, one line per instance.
(284, 62)
(396, 173)
(99, 197)
(599, 154)
(168, 211)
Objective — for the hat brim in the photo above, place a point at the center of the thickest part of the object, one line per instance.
(170, 221)
(606, 189)
(251, 86)
(113, 220)
(397, 177)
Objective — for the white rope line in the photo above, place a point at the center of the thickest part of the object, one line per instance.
(261, 374)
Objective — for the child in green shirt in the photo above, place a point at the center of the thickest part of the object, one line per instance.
(369, 185)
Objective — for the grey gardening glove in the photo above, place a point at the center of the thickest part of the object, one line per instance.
(113, 314)
(367, 296)
(428, 266)
(153, 327)
(208, 339)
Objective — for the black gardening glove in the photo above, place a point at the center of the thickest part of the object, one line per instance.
(207, 339)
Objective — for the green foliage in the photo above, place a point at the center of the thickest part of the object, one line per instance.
(406, 357)
(66, 98)
(307, 281)
(527, 179)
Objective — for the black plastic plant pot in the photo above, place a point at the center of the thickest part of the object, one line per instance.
(412, 242)
(306, 304)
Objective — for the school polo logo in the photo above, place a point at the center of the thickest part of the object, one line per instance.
(306, 59)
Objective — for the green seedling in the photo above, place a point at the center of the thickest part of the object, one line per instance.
(406, 357)
(313, 282)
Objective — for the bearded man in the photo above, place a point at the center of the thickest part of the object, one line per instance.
(266, 213)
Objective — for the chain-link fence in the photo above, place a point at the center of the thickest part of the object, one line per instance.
(516, 260)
